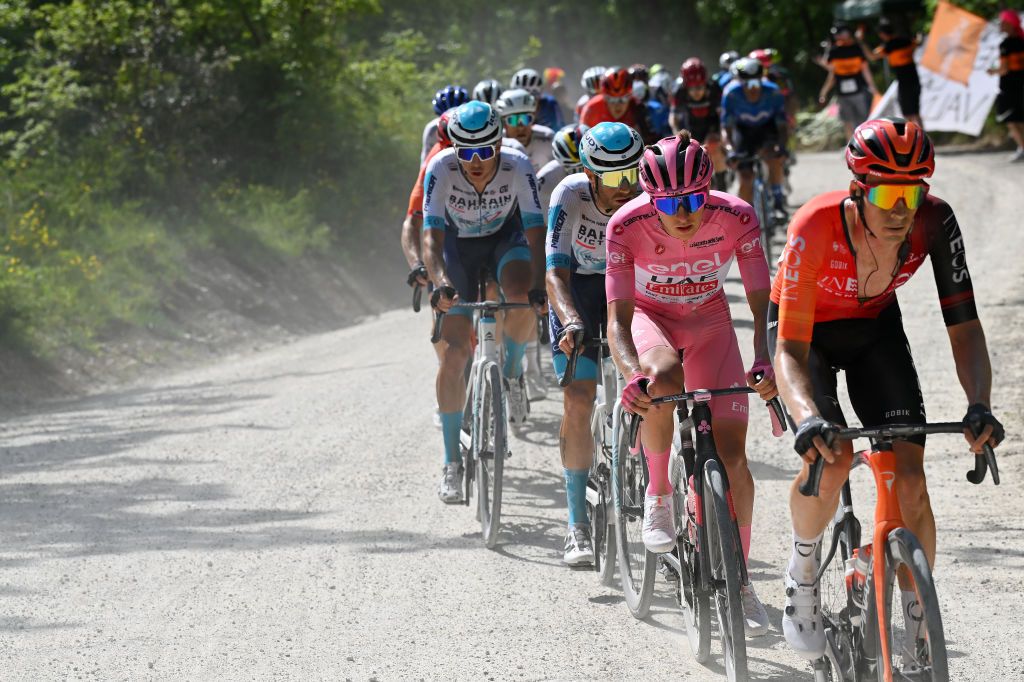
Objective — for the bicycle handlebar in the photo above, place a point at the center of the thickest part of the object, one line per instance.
(493, 306)
(982, 462)
(774, 406)
(570, 367)
(417, 296)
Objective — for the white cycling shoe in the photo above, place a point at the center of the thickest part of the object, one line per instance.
(801, 620)
(518, 403)
(579, 547)
(450, 489)
(659, 529)
(755, 618)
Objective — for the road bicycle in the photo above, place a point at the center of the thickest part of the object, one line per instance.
(866, 627)
(485, 416)
(707, 563)
(607, 412)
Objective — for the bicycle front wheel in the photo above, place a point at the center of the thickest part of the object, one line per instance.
(764, 215)
(917, 643)
(636, 565)
(837, 608)
(490, 458)
(724, 558)
(693, 597)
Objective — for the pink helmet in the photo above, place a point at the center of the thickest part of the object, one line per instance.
(669, 168)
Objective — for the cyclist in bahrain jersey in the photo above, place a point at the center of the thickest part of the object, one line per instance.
(580, 208)
(669, 251)
(566, 150)
(834, 307)
(446, 98)
(479, 200)
(516, 108)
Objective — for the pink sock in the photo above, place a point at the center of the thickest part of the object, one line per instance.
(657, 467)
(745, 541)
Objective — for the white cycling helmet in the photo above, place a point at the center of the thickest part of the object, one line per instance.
(488, 90)
(747, 69)
(527, 79)
(727, 58)
(516, 102)
(474, 124)
(611, 147)
(591, 79)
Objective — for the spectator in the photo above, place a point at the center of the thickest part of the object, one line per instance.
(848, 71)
(1010, 102)
(899, 48)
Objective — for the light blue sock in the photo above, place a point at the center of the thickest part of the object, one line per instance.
(513, 358)
(576, 495)
(451, 426)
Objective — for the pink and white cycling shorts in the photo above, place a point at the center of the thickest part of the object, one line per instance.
(711, 353)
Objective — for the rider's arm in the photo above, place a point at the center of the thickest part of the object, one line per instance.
(562, 218)
(437, 189)
(865, 70)
(756, 282)
(619, 284)
(829, 82)
(973, 367)
(781, 127)
(794, 378)
(412, 227)
(532, 217)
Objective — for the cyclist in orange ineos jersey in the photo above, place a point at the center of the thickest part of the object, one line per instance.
(834, 307)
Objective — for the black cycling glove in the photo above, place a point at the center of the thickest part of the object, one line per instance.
(417, 272)
(808, 429)
(446, 292)
(978, 417)
(538, 297)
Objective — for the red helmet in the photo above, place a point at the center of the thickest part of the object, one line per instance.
(616, 82)
(669, 168)
(442, 130)
(693, 72)
(892, 149)
(765, 56)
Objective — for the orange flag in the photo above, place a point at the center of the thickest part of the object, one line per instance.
(953, 42)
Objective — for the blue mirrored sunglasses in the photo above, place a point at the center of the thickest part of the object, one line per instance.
(516, 120)
(688, 202)
(467, 153)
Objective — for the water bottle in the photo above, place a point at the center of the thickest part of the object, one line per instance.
(857, 568)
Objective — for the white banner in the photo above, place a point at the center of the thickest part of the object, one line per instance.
(950, 106)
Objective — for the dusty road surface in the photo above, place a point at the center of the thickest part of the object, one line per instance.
(274, 516)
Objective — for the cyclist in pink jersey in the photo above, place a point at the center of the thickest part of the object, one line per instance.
(669, 251)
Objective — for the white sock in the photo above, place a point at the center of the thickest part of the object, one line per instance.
(803, 560)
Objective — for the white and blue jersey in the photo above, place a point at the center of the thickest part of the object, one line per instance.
(451, 202)
(548, 178)
(576, 227)
(738, 111)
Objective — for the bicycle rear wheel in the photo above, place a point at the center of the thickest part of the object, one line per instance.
(724, 558)
(763, 209)
(491, 450)
(636, 565)
(922, 657)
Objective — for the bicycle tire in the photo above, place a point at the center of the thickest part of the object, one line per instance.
(637, 566)
(904, 549)
(725, 557)
(836, 602)
(767, 224)
(604, 536)
(491, 452)
(694, 601)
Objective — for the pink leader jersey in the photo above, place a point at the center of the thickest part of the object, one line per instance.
(670, 279)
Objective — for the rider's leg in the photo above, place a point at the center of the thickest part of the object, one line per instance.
(576, 445)
(451, 386)
(519, 325)
(746, 181)
(912, 491)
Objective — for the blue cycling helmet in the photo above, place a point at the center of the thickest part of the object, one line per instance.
(611, 147)
(474, 124)
(449, 97)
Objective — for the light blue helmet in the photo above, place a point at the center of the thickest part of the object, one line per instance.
(611, 147)
(474, 124)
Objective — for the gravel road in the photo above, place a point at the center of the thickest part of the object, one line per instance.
(273, 516)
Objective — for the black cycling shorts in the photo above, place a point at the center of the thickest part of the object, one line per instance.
(749, 141)
(880, 373)
(466, 257)
(588, 296)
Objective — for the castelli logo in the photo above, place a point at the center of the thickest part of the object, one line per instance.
(618, 229)
(745, 218)
(659, 249)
